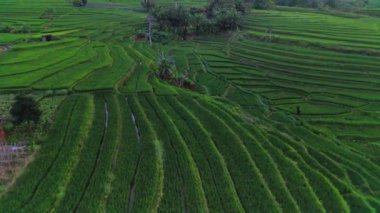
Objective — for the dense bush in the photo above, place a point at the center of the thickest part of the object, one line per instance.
(202, 24)
(243, 6)
(227, 20)
(5, 28)
(175, 18)
(213, 19)
(166, 66)
(25, 109)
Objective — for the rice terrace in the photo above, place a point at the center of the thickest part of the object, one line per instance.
(189, 106)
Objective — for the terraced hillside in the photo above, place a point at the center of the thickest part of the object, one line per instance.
(374, 4)
(284, 117)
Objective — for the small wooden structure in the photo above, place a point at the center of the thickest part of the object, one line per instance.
(12, 157)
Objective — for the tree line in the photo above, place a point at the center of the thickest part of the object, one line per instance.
(226, 15)
(218, 16)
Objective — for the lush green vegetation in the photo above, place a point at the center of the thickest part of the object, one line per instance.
(283, 115)
(25, 109)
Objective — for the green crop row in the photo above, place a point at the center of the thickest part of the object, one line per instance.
(108, 77)
(87, 162)
(98, 184)
(25, 80)
(126, 162)
(36, 171)
(40, 63)
(217, 182)
(252, 189)
(147, 187)
(78, 72)
(55, 181)
(182, 185)
(262, 159)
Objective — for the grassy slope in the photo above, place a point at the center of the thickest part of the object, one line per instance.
(238, 146)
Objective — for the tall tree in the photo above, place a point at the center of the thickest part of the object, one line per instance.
(25, 109)
(166, 66)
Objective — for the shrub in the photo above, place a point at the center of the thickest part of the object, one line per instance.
(214, 19)
(6, 28)
(162, 37)
(166, 66)
(203, 25)
(8, 127)
(25, 109)
(175, 17)
(227, 20)
(243, 7)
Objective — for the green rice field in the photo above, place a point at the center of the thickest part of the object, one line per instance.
(285, 116)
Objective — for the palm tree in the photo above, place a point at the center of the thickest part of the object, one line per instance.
(165, 66)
